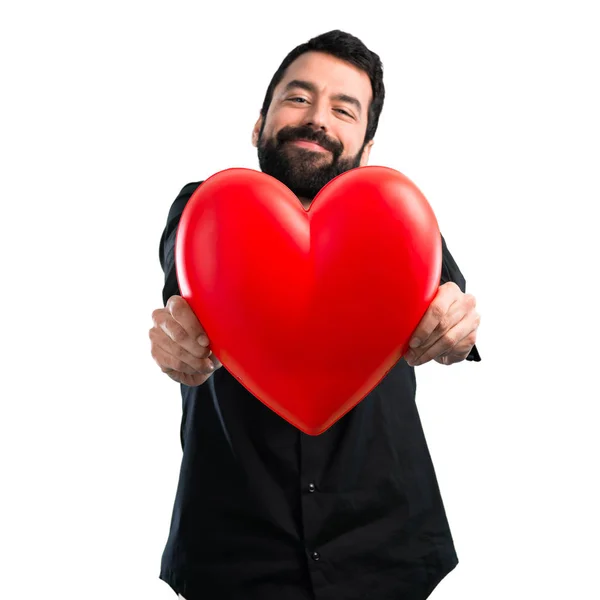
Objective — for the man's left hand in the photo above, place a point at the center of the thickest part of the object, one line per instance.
(448, 329)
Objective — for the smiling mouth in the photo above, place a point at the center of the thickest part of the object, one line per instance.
(309, 145)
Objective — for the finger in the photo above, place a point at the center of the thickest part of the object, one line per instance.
(450, 342)
(460, 350)
(163, 320)
(454, 315)
(171, 355)
(177, 335)
(182, 312)
(451, 318)
(168, 363)
(160, 339)
(433, 315)
(218, 364)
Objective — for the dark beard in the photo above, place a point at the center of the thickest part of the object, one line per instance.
(304, 172)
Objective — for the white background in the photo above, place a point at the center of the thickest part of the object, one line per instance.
(109, 108)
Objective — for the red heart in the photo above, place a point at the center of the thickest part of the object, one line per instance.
(309, 310)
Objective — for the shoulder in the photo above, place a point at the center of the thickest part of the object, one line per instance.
(167, 239)
(182, 199)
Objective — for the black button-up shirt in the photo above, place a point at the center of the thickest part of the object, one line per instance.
(266, 512)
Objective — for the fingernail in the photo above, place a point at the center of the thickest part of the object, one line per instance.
(415, 343)
(203, 340)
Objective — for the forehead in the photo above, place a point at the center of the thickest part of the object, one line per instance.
(329, 75)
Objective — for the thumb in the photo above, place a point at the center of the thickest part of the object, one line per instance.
(215, 361)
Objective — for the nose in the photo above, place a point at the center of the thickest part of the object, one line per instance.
(317, 116)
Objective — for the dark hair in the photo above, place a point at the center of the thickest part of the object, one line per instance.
(345, 47)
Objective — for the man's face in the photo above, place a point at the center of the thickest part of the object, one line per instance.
(316, 124)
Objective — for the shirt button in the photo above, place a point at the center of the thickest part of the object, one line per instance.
(311, 487)
(315, 556)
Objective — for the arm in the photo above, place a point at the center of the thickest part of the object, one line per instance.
(180, 346)
(451, 272)
(447, 331)
(166, 249)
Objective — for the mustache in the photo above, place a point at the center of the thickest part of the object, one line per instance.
(292, 134)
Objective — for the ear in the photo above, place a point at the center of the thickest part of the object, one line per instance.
(364, 159)
(256, 131)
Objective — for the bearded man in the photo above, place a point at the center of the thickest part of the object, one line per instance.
(262, 510)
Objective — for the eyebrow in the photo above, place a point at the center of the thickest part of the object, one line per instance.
(309, 87)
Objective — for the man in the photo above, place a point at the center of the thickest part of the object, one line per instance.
(264, 511)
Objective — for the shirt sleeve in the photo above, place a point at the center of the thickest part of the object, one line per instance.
(451, 272)
(167, 242)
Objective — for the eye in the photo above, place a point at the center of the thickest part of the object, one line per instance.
(341, 110)
(297, 98)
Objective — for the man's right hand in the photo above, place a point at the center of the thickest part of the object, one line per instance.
(180, 345)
